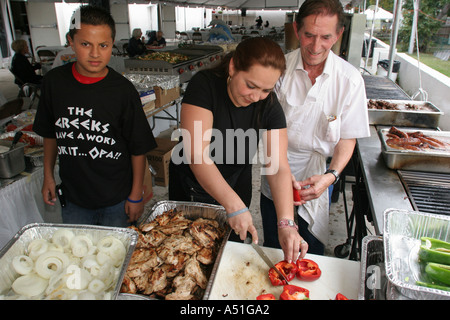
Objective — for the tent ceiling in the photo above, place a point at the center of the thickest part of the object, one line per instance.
(225, 4)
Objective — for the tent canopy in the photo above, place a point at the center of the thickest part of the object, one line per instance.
(381, 14)
(224, 4)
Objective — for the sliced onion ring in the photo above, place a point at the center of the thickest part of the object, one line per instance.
(50, 263)
(81, 245)
(22, 264)
(63, 237)
(96, 286)
(29, 285)
(37, 247)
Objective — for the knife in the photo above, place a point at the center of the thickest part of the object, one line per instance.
(268, 261)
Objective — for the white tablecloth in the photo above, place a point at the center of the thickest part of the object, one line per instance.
(21, 203)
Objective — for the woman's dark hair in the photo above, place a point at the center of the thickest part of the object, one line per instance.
(95, 16)
(252, 51)
(323, 7)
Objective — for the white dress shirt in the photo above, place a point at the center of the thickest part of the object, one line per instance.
(318, 116)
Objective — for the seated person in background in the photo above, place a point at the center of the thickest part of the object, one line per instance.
(21, 67)
(136, 46)
(157, 40)
(64, 56)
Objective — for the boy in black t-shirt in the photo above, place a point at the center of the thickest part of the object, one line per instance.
(91, 117)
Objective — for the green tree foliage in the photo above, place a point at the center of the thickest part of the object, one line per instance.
(429, 22)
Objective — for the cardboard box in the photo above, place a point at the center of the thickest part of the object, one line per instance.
(149, 106)
(159, 159)
(147, 96)
(164, 96)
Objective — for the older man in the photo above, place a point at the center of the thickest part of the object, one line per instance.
(324, 101)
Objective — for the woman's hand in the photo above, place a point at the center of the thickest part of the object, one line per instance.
(243, 223)
(293, 245)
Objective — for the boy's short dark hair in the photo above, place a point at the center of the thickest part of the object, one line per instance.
(95, 16)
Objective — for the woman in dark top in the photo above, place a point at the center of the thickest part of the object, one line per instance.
(224, 113)
(22, 69)
(135, 45)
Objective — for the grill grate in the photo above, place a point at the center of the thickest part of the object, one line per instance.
(428, 192)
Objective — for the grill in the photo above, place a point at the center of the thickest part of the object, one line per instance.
(428, 192)
(200, 57)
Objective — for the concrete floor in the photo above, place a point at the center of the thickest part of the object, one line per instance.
(338, 230)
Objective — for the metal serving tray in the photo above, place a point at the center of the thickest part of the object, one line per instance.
(193, 211)
(19, 243)
(402, 232)
(11, 162)
(428, 161)
(427, 117)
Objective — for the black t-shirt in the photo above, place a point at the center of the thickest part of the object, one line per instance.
(238, 126)
(97, 128)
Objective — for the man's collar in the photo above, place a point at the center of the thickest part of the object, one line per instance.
(328, 63)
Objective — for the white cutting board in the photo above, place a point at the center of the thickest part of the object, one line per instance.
(243, 275)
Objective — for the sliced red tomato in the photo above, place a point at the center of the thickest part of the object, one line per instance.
(267, 296)
(289, 270)
(308, 270)
(340, 296)
(291, 292)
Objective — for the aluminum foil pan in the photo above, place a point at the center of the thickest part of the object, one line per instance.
(402, 232)
(19, 243)
(145, 82)
(130, 296)
(373, 274)
(193, 211)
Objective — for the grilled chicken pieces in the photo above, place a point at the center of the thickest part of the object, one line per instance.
(171, 256)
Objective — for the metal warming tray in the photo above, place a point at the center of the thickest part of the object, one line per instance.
(428, 161)
(402, 232)
(19, 243)
(193, 211)
(427, 116)
(11, 162)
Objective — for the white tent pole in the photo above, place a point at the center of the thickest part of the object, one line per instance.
(416, 4)
(369, 46)
(392, 48)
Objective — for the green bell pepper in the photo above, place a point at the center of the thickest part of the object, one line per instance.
(432, 285)
(438, 272)
(434, 250)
